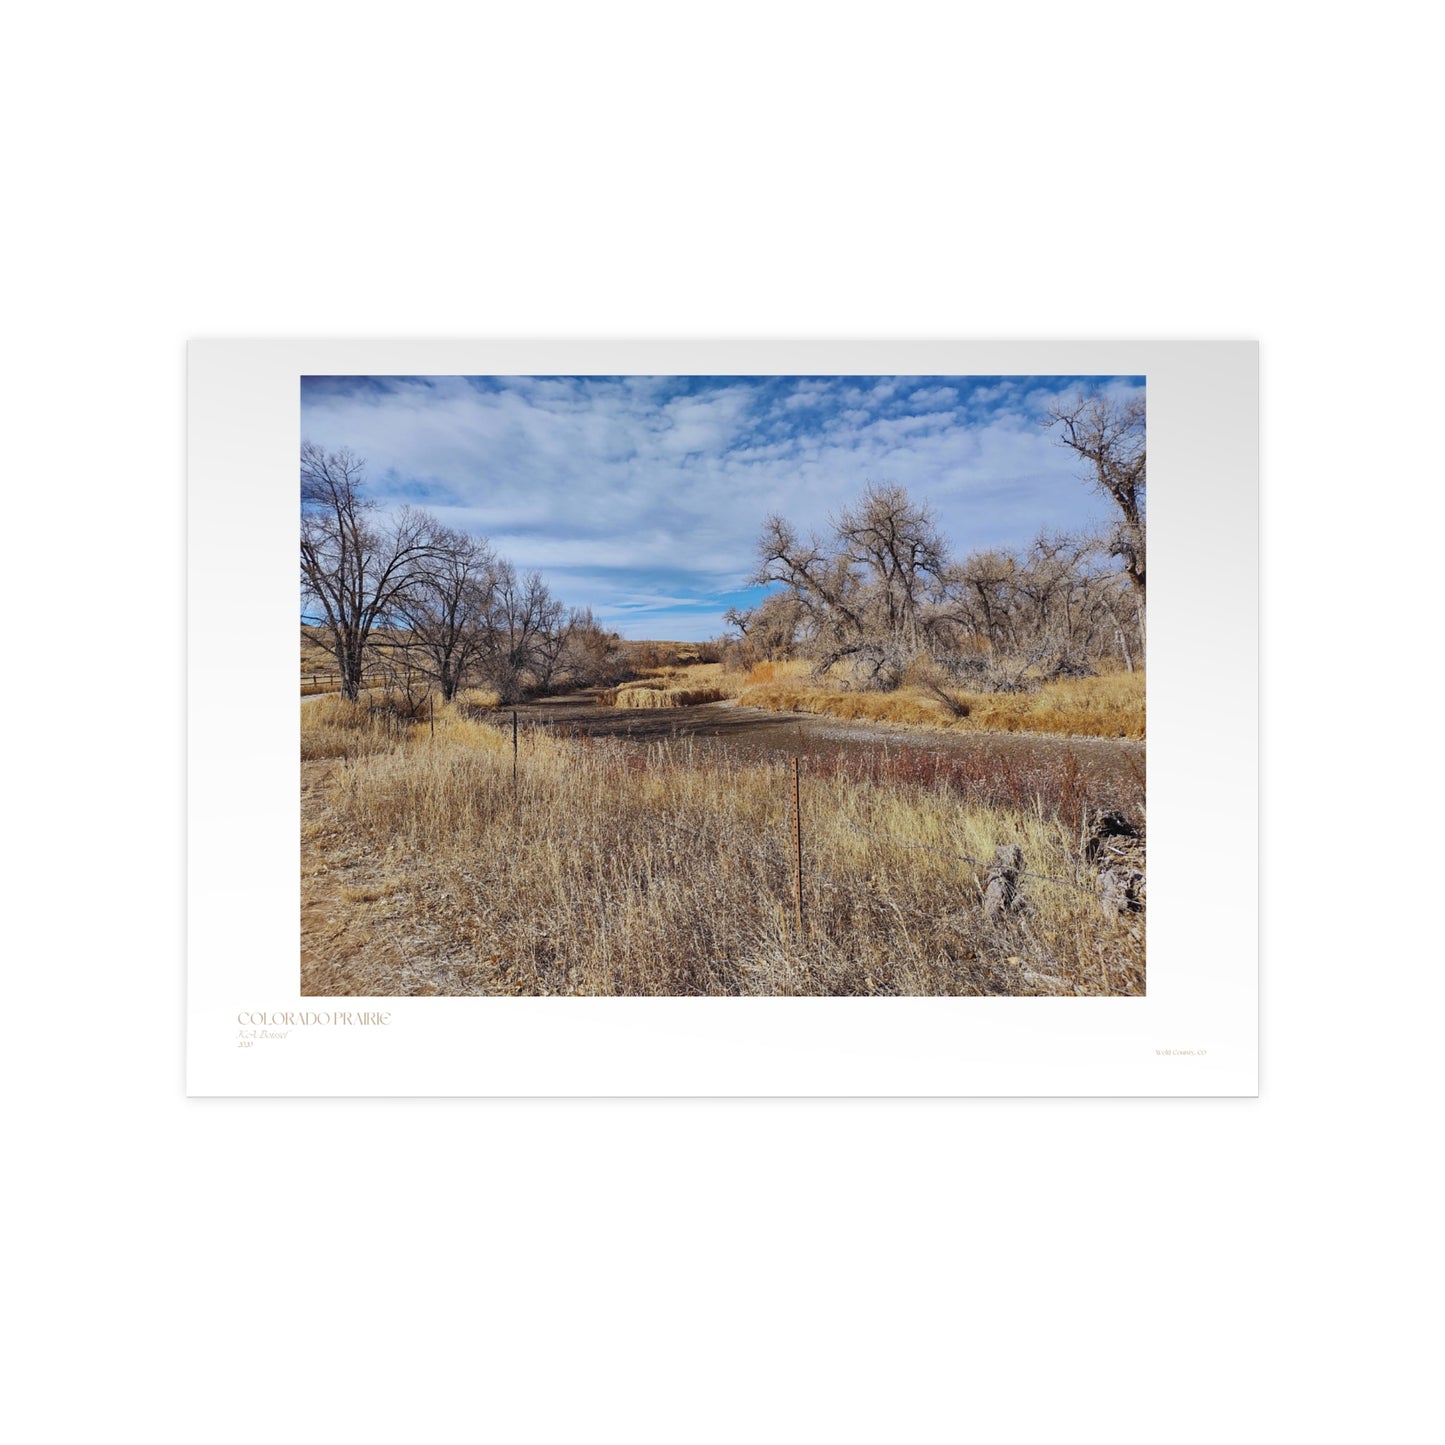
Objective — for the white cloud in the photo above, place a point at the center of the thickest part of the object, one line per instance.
(808, 393)
(929, 397)
(607, 486)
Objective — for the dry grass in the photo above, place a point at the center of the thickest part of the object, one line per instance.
(1108, 706)
(794, 671)
(675, 686)
(615, 869)
(315, 659)
(893, 707)
(482, 698)
(1111, 706)
(657, 694)
(333, 727)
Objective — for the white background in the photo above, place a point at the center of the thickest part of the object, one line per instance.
(996, 1270)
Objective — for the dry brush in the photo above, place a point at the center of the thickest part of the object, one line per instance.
(615, 869)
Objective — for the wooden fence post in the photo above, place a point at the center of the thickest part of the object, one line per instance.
(514, 750)
(431, 714)
(797, 851)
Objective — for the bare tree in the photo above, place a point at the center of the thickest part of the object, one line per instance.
(446, 609)
(863, 598)
(355, 568)
(1109, 434)
(895, 544)
(1056, 600)
(882, 600)
(1111, 601)
(770, 632)
(981, 589)
(590, 653)
(524, 634)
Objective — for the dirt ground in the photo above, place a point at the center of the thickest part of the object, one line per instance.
(335, 933)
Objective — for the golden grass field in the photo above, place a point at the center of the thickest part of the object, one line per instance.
(613, 868)
(675, 686)
(1108, 706)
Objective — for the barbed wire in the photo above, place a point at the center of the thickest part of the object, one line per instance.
(966, 858)
(552, 728)
(816, 879)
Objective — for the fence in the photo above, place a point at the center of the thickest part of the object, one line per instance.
(1117, 884)
(1118, 887)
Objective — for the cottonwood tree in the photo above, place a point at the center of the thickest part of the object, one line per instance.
(894, 545)
(590, 653)
(356, 568)
(524, 633)
(446, 609)
(821, 585)
(1114, 603)
(770, 632)
(881, 602)
(426, 605)
(1058, 609)
(981, 590)
(864, 596)
(1011, 620)
(1109, 434)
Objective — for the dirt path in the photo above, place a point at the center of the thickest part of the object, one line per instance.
(346, 943)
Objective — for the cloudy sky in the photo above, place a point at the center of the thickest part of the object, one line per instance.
(643, 496)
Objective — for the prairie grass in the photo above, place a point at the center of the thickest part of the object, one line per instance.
(799, 696)
(482, 698)
(1110, 706)
(691, 677)
(666, 869)
(653, 693)
(333, 726)
(794, 670)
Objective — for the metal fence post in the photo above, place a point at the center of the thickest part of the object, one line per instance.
(797, 851)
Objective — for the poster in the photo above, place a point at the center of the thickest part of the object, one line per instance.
(730, 718)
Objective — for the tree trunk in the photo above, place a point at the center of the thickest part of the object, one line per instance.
(350, 663)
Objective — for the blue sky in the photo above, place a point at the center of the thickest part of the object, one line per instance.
(643, 496)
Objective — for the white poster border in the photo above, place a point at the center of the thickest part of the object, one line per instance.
(1193, 1034)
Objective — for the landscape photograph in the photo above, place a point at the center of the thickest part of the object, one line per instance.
(722, 686)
